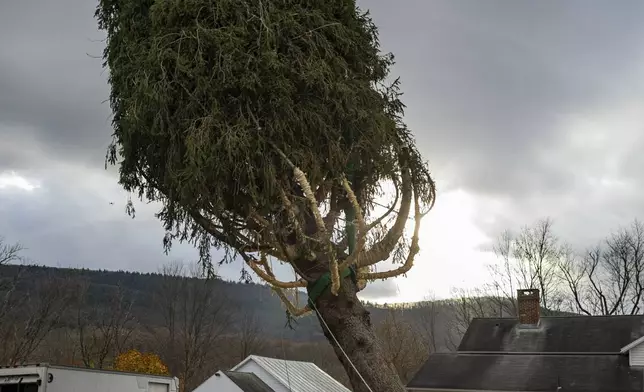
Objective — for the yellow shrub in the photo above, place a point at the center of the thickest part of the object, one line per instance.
(137, 362)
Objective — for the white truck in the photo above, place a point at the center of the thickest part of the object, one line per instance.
(50, 378)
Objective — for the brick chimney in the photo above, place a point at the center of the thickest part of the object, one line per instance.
(528, 305)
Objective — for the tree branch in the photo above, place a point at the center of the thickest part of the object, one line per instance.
(381, 250)
(362, 227)
(292, 309)
(268, 275)
(409, 262)
(384, 216)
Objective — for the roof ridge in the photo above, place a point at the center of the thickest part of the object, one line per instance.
(537, 354)
(280, 359)
(580, 316)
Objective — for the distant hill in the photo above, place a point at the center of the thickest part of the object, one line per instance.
(252, 298)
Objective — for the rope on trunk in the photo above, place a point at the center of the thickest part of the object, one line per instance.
(340, 347)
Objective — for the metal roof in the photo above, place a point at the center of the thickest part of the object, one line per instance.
(295, 375)
(248, 382)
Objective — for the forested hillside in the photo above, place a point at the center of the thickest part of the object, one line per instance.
(86, 317)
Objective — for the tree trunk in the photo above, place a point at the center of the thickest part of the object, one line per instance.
(350, 323)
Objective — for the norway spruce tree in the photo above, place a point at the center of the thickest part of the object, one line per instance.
(269, 130)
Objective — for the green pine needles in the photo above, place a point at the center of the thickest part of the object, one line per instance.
(216, 102)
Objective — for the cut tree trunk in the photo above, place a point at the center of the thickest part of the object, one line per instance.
(350, 323)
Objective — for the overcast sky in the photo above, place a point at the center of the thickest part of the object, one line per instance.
(524, 109)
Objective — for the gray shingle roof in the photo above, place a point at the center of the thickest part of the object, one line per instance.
(555, 334)
(522, 372)
(248, 382)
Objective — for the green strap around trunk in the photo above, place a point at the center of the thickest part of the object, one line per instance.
(318, 287)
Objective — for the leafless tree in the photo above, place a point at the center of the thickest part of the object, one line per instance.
(430, 314)
(196, 315)
(10, 252)
(103, 330)
(466, 305)
(59, 347)
(608, 278)
(530, 259)
(30, 310)
(504, 282)
(403, 344)
(249, 335)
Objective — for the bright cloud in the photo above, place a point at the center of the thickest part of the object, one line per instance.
(450, 254)
(11, 180)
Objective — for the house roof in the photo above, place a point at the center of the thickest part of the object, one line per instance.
(295, 375)
(248, 382)
(577, 334)
(524, 372)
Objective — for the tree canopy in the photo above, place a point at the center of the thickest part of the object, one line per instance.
(249, 120)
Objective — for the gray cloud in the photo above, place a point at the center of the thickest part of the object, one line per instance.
(532, 107)
(380, 290)
(507, 100)
(78, 226)
(487, 84)
(51, 84)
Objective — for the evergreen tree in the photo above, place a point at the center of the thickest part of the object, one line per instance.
(270, 129)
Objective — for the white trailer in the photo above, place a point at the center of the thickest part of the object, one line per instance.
(50, 378)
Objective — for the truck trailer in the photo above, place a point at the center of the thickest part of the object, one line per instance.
(51, 378)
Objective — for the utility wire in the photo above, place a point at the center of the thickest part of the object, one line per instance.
(340, 347)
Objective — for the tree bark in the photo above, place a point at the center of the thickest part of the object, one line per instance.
(349, 322)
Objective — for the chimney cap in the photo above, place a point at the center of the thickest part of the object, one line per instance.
(528, 293)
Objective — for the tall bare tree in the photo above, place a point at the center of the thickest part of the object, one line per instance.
(196, 316)
(9, 253)
(404, 345)
(608, 279)
(103, 330)
(529, 259)
(467, 304)
(30, 311)
(431, 312)
(504, 283)
(249, 336)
